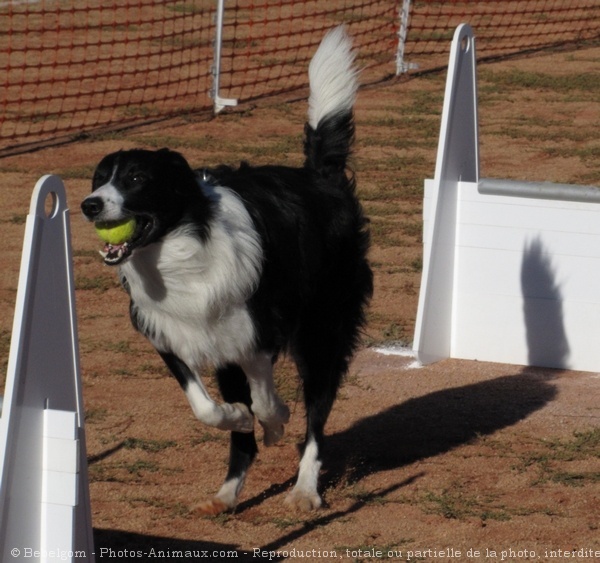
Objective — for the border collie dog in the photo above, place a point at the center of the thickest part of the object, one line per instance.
(230, 267)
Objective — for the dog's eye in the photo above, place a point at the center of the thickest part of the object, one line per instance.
(137, 178)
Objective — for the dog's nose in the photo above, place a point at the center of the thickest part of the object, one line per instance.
(92, 206)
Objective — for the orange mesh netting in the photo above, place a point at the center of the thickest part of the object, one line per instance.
(73, 66)
(501, 27)
(76, 65)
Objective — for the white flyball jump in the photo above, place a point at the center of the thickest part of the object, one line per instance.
(511, 269)
(44, 494)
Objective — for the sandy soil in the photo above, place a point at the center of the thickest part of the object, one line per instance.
(457, 461)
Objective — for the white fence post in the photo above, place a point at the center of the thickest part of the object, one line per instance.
(219, 103)
(401, 65)
(44, 497)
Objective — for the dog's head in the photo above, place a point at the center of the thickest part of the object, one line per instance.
(156, 188)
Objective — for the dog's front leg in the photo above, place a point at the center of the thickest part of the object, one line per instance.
(271, 411)
(235, 417)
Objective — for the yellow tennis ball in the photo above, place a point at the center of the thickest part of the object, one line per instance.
(116, 232)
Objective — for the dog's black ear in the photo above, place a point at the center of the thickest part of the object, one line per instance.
(179, 160)
(174, 158)
(181, 176)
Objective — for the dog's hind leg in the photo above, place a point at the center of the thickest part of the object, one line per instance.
(321, 378)
(228, 416)
(234, 388)
(319, 400)
(271, 411)
(322, 350)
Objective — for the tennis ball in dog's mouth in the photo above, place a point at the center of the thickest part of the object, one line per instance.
(116, 232)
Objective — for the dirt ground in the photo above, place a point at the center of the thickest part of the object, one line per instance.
(457, 461)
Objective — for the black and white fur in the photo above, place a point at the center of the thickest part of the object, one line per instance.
(233, 266)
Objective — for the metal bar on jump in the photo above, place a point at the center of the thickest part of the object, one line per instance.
(539, 190)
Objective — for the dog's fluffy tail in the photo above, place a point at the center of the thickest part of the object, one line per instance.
(333, 85)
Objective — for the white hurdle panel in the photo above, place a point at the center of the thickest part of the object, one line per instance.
(511, 269)
(44, 493)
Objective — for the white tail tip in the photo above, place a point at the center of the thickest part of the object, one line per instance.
(332, 76)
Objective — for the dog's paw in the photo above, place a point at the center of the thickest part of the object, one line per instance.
(303, 501)
(236, 418)
(273, 424)
(272, 434)
(212, 507)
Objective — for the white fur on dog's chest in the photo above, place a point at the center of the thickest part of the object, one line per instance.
(190, 296)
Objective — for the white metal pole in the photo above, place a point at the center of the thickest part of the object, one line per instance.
(401, 65)
(218, 102)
